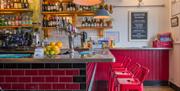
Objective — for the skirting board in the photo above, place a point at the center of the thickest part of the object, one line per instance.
(176, 88)
(156, 83)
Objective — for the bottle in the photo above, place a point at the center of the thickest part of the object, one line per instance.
(30, 20)
(83, 22)
(46, 42)
(68, 7)
(6, 21)
(3, 20)
(44, 22)
(26, 4)
(60, 7)
(111, 9)
(0, 20)
(9, 21)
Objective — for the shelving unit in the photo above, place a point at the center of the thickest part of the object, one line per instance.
(28, 26)
(71, 13)
(74, 15)
(92, 28)
(15, 10)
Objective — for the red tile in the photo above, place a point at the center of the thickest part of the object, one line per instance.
(24, 79)
(11, 79)
(51, 79)
(5, 72)
(72, 72)
(17, 72)
(38, 79)
(31, 86)
(45, 86)
(5, 86)
(2, 79)
(58, 86)
(73, 86)
(31, 72)
(58, 72)
(18, 86)
(44, 72)
(65, 79)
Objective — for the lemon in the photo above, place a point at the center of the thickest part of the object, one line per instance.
(52, 44)
(52, 52)
(48, 48)
(47, 52)
(59, 44)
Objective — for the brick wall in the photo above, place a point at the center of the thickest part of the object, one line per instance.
(49, 76)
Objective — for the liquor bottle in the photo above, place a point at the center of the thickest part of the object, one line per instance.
(44, 21)
(83, 22)
(3, 20)
(26, 4)
(6, 21)
(111, 9)
(61, 7)
(9, 21)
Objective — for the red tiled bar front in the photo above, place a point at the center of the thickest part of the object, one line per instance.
(48, 76)
(57, 75)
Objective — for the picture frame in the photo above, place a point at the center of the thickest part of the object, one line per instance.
(174, 21)
(114, 35)
(175, 7)
(138, 26)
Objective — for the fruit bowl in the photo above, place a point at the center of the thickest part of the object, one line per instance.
(51, 56)
(53, 49)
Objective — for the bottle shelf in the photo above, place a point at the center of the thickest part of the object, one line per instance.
(94, 28)
(14, 10)
(64, 13)
(64, 1)
(48, 27)
(25, 26)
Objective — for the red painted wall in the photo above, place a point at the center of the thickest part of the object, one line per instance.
(156, 60)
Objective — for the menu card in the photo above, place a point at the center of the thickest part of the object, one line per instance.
(138, 26)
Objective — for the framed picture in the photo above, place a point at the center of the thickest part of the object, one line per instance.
(114, 35)
(174, 21)
(175, 7)
(138, 25)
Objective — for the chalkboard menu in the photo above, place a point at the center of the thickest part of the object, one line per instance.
(138, 26)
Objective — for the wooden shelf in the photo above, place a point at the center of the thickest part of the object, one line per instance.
(14, 10)
(93, 28)
(16, 26)
(48, 27)
(61, 1)
(71, 13)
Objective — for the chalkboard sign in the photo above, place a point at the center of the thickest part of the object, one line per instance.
(138, 26)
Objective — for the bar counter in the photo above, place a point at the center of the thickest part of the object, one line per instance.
(99, 55)
(70, 72)
(139, 48)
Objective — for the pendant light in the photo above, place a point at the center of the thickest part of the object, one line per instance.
(87, 2)
(102, 13)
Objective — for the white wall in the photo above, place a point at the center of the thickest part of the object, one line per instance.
(174, 69)
(157, 20)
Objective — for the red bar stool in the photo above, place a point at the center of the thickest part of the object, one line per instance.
(131, 84)
(129, 73)
(118, 66)
(123, 65)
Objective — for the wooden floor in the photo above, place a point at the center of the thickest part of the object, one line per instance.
(156, 88)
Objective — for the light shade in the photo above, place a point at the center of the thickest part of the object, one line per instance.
(102, 14)
(87, 2)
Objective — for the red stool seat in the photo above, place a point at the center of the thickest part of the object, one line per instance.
(119, 73)
(135, 83)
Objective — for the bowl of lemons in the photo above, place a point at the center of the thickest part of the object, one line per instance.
(53, 49)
